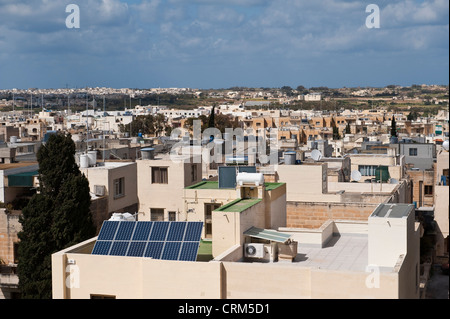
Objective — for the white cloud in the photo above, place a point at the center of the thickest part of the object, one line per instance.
(213, 31)
(147, 10)
(408, 12)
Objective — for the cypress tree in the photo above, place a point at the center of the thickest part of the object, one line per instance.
(211, 121)
(393, 127)
(57, 217)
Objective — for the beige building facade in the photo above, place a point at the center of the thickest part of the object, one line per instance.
(113, 184)
(363, 273)
(161, 184)
(441, 202)
(312, 199)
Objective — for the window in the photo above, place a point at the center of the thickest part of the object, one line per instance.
(413, 152)
(209, 207)
(119, 187)
(428, 190)
(157, 214)
(159, 175)
(367, 170)
(193, 173)
(172, 216)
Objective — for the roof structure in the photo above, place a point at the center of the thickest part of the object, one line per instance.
(267, 234)
(392, 210)
(239, 205)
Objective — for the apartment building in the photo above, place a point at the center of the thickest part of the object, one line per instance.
(161, 182)
(342, 259)
(312, 199)
(113, 188)
(203, 199)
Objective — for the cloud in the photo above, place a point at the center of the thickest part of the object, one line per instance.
(221, 34)
(408, 13)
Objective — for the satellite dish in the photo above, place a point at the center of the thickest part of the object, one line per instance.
(316, 155)
(393, 181)
(356, 176)
(445, 145)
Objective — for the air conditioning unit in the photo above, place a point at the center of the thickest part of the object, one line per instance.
(254, 250)
(99, 190)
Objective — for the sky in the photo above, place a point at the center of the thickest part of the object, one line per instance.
(217, 44)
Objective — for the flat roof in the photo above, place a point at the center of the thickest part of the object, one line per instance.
(392, 210)
(16, 165)
(215, 185)
(347, 252)
(239, 205)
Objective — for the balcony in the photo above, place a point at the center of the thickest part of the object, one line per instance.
(8, 276)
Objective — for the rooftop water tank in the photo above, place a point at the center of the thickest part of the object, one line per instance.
(122, 217)
(84, 161)
(92, 155)
(290, 158)
(250, 178)
(148, 153)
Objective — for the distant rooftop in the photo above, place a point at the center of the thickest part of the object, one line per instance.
(16, 165)
(215, 185)
(110, 165)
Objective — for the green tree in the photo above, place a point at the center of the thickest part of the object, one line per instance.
(223, 122)
(336, 135)
(393, 127)
(348, 130)
(211, 120)
(55, 218)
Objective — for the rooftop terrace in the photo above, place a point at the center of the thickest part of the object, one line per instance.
(215, 185)
(342, 252)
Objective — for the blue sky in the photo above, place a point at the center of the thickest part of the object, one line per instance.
(223, 43)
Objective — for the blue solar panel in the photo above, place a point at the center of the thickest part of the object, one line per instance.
(154, 249)
(159, 231)
(125, 231)
(189, 251)
(158, 240)
(142, 231)
(136, 248)
(171, 250)
(108, 230)
(101, 247)
(119, 248)
(193, 231)
(176, 231)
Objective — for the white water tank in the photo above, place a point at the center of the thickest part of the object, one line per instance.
(13, 139)
(122, 217)
(84, 161)
(92, 155)
(250, 178)
(148, 153)
(290, 158)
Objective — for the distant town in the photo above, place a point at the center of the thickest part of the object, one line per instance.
(353, 204)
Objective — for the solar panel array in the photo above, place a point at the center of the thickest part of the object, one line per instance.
(157, 240)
